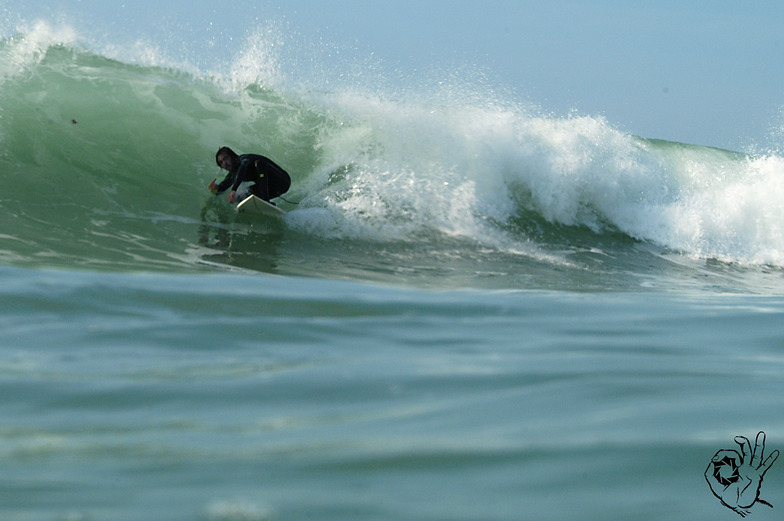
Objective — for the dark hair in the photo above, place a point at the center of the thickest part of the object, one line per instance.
(225, 150)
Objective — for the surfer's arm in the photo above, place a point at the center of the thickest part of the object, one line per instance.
(242, 172)
(226, 183)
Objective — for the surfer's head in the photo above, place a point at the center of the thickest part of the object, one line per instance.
(226, 158)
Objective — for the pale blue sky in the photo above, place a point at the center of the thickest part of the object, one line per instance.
(704, 72)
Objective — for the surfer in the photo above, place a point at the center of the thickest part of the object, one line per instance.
(269, 180)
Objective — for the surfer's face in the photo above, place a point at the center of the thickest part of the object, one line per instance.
(225, 162)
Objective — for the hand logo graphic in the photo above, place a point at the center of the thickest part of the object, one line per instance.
(736, 479)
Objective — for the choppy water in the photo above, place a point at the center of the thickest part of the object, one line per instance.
(473, 312)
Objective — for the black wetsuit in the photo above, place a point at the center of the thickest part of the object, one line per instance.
(270, 179)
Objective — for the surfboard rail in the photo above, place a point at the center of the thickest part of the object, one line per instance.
(258, 206)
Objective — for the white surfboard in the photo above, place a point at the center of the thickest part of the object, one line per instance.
(258, 206)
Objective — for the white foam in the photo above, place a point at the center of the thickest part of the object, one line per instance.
(237, 510)
(29, 46)
(418, 165)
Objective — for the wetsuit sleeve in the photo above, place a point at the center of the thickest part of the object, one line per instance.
(242, 172)
(225, 183)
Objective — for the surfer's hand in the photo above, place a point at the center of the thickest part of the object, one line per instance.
(232, 196)
(213, 187)
(735, 479)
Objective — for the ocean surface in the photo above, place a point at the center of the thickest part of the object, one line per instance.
(472, 310)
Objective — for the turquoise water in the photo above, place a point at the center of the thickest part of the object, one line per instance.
(265, 397)
(470, 311)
